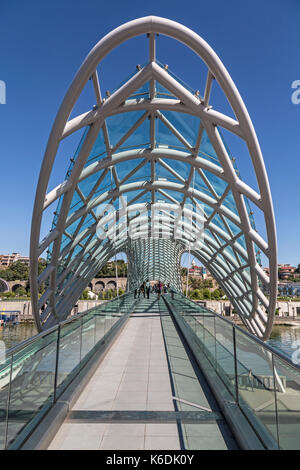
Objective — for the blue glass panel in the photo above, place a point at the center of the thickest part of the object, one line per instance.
(229, 202)
(172, 74)
(142, 92)
(208, 210)
(217, 183)
(241, 241)
(124, 168)
(162, 172)
(164, 136)
(98, 150)
(220, 239)
(64, 241)
(143, 174)
(173, 194)
(120, 124)
(234, 228)
(200, 186)
(72, 228)
(76, 202)
(241, 259)
(132, 194)
(230, 252)
(106, 185)
(186, 124)
(206, 149)
(216, 220)
(88, 183)
(180, 167)
(162, 92)
(128, 77)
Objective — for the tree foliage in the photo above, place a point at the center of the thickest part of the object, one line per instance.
(109, 270)
(19, 271)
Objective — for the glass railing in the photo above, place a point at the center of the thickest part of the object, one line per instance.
(36, 372)
(262, 382)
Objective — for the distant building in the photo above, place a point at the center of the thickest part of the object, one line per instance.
(285, 271)
(7, 260)
(196, 271)
(267, 271)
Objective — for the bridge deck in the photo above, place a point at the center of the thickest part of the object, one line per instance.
(146, 394)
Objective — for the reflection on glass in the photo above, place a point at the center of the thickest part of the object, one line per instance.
(265, 386)
(5, 371)
(256, 386)
(288, 404)
(32, 384)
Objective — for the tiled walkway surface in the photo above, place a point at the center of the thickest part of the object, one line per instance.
(135, 376)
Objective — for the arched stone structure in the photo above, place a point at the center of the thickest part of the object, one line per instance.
(99, 286)
(4, 287)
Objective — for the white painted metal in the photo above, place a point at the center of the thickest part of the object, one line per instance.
(65, 283)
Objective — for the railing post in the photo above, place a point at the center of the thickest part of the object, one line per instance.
(95, 328)
(80, 350)
(215, 335)
(275, 393)
(56, 363)
(8, 401)
(235, 367)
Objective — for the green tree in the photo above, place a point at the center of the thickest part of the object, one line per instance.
(183, 272)
(196, 294)
(110, 270)
(41, 266)
(21, 292)
(84, 295)
(217, 294)
(206, 293)
(19, 271)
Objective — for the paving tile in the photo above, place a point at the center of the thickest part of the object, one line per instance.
(161, 429)
(159, 396)
(122, 443)
(160, 406)
(74, 436)
(159, 386)
(162, 443)
(137, 395)
(133, 386)
(207, 442)
(95, 403)
(125, 429)
(137, 405)
(134, 375)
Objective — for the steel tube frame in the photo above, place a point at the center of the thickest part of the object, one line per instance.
(228, 270)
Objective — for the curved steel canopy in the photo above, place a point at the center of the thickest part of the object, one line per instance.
(150, 149)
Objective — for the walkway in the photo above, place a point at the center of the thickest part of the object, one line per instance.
(146, 394)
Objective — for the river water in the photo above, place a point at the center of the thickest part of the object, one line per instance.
(282, 337)
(14, 334)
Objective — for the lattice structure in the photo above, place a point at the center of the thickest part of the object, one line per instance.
(150, 149)
(154, 258)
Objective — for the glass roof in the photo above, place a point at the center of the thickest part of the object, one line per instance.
(153, 166)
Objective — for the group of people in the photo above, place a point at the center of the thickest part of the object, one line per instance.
(146, 288)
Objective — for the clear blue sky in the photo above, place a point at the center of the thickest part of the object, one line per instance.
(42, 44)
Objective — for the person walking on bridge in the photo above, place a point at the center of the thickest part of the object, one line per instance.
(147, 288)
(159, 288)
(142, 289)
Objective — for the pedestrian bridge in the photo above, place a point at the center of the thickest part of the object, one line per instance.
(153, 175)
(148, 374)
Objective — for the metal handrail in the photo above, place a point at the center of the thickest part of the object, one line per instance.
(54, 391)
(27, 342)
(274, 351)
(268, 439)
